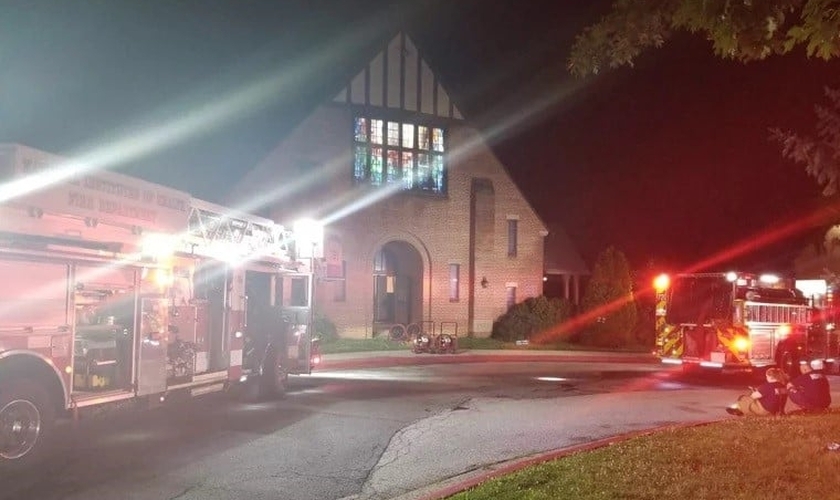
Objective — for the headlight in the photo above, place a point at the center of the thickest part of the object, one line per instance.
(742, 344)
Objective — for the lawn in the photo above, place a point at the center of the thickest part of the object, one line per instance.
(779, 458)
(383, 344)
(362, 345)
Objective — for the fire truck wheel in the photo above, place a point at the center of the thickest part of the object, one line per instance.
(26, 422)
(274, 377)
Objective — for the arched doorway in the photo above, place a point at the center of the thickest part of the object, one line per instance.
(397, 284)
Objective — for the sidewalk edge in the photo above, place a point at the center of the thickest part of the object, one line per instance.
(448, 487)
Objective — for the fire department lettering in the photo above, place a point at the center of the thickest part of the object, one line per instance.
(80, 200)
(129, 211)
(179, 204)
(108, 196)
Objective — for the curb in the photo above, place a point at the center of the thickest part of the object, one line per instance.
(438, 359)
(457, 484)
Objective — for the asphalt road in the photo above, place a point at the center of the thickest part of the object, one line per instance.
(372, 433)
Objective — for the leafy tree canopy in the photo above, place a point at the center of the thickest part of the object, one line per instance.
(820, 152)
(609, 295)
(743, 30)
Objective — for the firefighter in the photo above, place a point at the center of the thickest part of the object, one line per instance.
(767, 399)
(810, 391)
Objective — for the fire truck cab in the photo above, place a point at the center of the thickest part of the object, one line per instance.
(115, 289)
(731, 321)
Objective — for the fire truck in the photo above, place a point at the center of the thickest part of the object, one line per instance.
(116, 289)
(736, 321)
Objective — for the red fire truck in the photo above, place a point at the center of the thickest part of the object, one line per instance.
(736, 321)
(116, 289)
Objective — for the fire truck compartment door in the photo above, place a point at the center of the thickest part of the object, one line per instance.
(151, 369)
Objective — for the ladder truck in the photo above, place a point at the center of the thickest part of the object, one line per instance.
(115, 289)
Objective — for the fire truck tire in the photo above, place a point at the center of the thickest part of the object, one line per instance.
(27, 418)
(274, 377)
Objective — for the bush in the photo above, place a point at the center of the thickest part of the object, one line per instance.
(325, 329)
(531, 316)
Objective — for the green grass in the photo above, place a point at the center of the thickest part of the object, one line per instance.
(481, 343)
(383, 344)
(361, 345)
(779, 458)
(489, 343)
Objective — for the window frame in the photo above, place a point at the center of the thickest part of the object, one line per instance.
(513, 237)
(340, 285)
(454, 282)
(510, 296)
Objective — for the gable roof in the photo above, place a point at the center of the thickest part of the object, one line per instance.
(560, 255)
(398, 77)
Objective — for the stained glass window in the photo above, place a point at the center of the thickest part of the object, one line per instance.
(424, 172)
(399, 152)
(437, 172)
(437, 139)
(392, 167)
(361, 130)
(360, 163)
(376, 131)
(376, 166)
(423, 137)
(408, 169)
(408, 136)
(393, 134)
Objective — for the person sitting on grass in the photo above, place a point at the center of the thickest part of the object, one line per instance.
(768, 399)
(810, 391)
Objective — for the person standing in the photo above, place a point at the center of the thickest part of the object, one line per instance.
(767, 399)
(810, 391)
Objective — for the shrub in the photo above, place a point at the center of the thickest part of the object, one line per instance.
(533, 315)
(325, 329)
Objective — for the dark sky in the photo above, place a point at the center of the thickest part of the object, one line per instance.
(668, 161)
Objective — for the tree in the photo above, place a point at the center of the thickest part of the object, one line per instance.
(743, 30)
(821, 152)
(609, 298)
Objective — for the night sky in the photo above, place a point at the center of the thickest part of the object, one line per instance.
(669, 161)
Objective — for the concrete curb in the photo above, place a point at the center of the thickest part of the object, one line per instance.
(463, 482)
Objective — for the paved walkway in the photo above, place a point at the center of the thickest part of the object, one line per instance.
(469, 455)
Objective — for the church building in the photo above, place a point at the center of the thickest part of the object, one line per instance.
(423, 224)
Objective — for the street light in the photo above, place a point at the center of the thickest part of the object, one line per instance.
(309, 237)
(309, 242)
